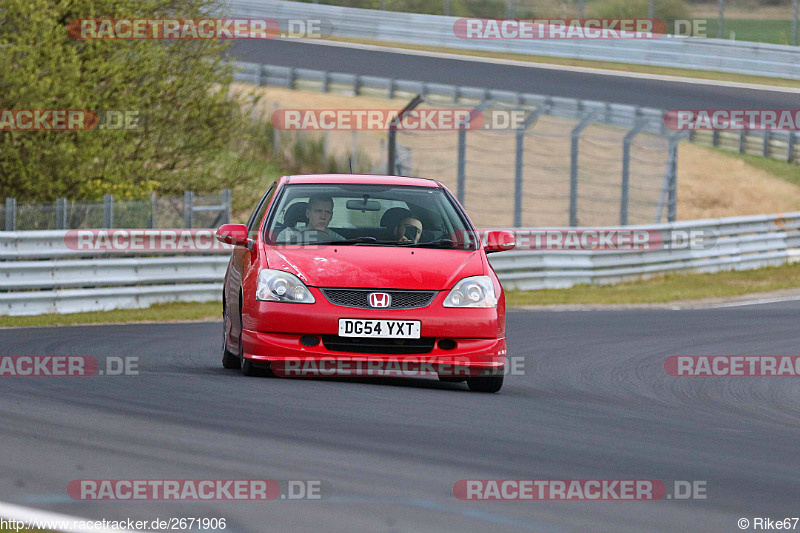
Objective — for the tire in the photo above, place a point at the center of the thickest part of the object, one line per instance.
(485, 383)
(246, 365)
(229, 360)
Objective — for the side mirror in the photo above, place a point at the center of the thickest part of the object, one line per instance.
(235, 234)
(499, 241)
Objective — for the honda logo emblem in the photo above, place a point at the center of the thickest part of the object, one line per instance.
(380, 299)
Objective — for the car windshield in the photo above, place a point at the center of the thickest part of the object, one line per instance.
(368, 215)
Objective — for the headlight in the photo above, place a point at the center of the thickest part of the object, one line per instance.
(475, 291)
(279, 286)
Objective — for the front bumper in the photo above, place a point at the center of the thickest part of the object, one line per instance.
(452, 339)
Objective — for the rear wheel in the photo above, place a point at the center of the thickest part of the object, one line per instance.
(485, 383)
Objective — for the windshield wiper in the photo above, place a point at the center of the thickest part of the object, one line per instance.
(357, 240)
(440, 243)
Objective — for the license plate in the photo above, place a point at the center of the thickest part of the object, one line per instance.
(387, 329)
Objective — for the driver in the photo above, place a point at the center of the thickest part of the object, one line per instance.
(408, 229)
(319, 213)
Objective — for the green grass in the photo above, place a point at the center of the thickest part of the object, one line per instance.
(775, 31)
(667, 288)
(156, 313)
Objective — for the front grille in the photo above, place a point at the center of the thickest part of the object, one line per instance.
(336, 343)
(401, 299)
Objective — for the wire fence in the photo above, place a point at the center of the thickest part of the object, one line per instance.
(190, 211)
(556, 171)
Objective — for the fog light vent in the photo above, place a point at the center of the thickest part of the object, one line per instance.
(309, 340)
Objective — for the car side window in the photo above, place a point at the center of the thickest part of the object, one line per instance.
(258, 213)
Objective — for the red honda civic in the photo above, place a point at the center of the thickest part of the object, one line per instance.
(360, 275)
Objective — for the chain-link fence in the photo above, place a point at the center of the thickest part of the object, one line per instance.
(189, 211)
(551, 171)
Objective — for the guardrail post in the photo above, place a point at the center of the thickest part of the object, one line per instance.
(354, 150)
(573, 169)
(108, 210)
(188, 208)
(715, 138)
(11, 214)
(390, 89)
(226, 206)
(260, 75)
(766, 147)
(519, 165)
(292, 82)
(276, 139)
(326, 81)
(153, 203)
(357, 85)
(672, 170)
(461, 174)
(61, 213)
(391, 149)
(742, 141)
(626, 170)
(790, 148)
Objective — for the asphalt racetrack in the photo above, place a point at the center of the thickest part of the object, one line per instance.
(564, 83)
(594, 403)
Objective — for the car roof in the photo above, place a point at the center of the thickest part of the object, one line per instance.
(361, 179)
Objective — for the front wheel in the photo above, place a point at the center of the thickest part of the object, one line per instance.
(229, 359)
(485, 383)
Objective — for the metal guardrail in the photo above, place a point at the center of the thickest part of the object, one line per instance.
(616, 114)
(741, 243)
(36, 277)
(720, 55)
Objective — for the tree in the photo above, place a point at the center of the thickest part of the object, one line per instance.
(178, 87)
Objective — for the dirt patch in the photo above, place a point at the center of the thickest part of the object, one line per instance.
(712, 185)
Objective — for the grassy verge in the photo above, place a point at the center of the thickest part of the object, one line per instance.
(775, 31)
(157, 313)
(789, 172)
(588, 63)
(668, 288)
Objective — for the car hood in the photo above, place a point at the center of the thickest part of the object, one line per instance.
(387, 267)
